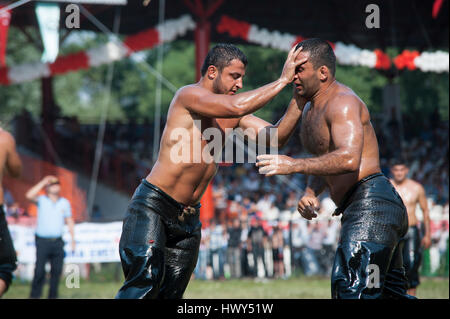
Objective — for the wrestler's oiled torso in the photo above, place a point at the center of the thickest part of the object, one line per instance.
(186, 178)
(316, 138)
(409, 192)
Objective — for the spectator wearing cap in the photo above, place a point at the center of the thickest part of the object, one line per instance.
(53, 211)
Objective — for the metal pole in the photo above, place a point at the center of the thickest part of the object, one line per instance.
(398, 112)
(101, 129)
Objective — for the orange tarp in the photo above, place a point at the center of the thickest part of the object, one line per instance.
(207, 208)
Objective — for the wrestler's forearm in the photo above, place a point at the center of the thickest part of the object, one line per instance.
(316, 185)
(287, 124)
(334, 163)
(423, 203)
(255, 99)
(14, 164)
(426, 221)
(277, 135)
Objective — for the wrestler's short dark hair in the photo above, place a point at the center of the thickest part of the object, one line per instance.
(221, 55)
(399, 161)
(321, 53)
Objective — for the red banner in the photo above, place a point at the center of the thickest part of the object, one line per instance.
(437, 5)
(5, 18)
(207, 208)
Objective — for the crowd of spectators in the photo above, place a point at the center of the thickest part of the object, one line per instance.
(258, 240)
(126, 150)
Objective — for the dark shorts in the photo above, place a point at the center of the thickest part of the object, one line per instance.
(412, 256)
(159, 245)
(8, 258)
(368, 262)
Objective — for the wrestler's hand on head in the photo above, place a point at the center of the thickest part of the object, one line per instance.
(270, 165)
(308, 205)
(288, 73)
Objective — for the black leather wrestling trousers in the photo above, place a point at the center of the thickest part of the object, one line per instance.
(368, 262)
(159, 245)
(8, 258)
(412, 256)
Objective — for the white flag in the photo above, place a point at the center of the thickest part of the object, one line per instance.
(48, 18)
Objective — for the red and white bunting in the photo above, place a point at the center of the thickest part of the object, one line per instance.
(346, 54)
(171, 29)
(425, 61)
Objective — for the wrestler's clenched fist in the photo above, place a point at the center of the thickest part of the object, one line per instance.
(307, 206)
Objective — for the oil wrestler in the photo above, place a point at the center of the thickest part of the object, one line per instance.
(161, 230)
(412, 194)
(336, 129)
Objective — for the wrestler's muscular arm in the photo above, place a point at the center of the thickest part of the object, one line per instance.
(346, 132)
(309, 202)
(426, 241)
(283, 129)
(315, 186)
(201, 101)
(13, 164)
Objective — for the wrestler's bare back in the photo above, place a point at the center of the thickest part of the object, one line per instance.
(316, 137)
(185, 180)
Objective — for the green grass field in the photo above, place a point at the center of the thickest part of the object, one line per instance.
(294, 288)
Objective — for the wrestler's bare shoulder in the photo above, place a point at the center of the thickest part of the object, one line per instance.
(190, 92)
(183, 97)
(343, 101)
(414, 185)
(410, 185)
